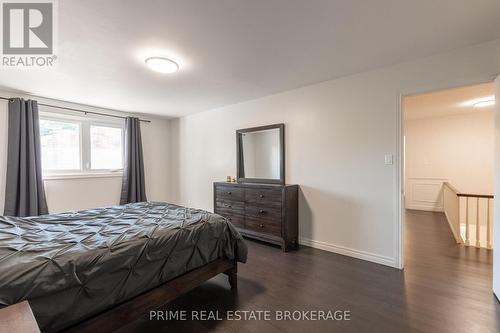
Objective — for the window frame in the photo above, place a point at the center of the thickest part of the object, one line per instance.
(84, 123)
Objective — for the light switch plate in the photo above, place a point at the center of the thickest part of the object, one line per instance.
(389, 159)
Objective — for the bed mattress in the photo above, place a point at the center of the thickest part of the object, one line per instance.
(71, 266)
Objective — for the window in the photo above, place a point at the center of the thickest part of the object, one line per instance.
(106, 150)
(78, 146)
(60, 141)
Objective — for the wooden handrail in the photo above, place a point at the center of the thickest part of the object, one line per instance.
(468, 195)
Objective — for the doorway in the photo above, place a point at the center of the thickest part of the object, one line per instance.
(447, 162)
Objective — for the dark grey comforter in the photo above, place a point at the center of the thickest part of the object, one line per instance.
(72, 265)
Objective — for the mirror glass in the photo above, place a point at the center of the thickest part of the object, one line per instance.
(261, 156)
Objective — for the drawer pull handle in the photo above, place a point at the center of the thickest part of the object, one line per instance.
(262, 211)
(261, 196)
(229, 206)
(229, 193)
(262, 226)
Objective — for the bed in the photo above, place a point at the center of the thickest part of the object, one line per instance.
(81, 270)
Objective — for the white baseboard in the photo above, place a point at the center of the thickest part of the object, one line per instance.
(376, 258)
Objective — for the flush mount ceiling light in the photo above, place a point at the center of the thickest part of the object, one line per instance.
(162, 65)
(480, 102)
(485, 103)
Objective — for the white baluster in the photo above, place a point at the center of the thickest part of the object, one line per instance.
(488, 229)
(467, 240)
(478, 227)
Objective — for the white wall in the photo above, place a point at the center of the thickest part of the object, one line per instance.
(83, 193)
(337, 133)
(457, 149)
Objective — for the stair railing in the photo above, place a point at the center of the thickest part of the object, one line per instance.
(457, 208)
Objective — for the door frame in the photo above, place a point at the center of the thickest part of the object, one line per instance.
(399, 158)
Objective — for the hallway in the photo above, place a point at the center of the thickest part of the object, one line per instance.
(452, 280)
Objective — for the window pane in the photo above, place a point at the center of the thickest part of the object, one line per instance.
(106, 148)
(60, 142)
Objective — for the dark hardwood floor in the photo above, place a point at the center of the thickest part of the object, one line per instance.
(444, 288)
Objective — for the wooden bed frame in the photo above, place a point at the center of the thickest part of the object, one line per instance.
(139, 306)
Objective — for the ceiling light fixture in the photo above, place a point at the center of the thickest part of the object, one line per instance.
(162, 65)
(485, 103)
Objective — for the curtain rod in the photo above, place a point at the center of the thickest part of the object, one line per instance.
(81, 111)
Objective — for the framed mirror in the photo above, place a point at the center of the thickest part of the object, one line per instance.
(260, 154)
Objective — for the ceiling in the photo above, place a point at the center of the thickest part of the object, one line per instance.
(448, 102)
(236, 50)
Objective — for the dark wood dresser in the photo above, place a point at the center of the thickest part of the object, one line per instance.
(267, 212)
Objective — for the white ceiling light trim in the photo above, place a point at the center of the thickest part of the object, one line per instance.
(162, 65)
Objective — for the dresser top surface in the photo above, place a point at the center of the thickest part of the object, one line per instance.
(257, 185)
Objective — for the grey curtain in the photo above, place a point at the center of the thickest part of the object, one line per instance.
(133, 186)
(24, 193)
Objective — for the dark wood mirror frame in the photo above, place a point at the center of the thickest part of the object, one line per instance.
(239, 167)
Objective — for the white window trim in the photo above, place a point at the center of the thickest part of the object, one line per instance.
(85, 170)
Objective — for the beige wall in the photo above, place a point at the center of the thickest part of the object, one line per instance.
(456, 148)
(337, 134)
(83, 193)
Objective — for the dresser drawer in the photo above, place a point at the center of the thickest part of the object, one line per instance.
(264, 212)
(263, 196)
(230, 206)
(236, 220)
(262, 226)
(230, 193)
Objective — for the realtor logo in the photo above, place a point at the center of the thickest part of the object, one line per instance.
(28, 29)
